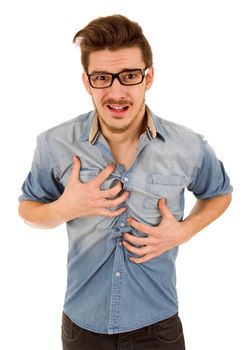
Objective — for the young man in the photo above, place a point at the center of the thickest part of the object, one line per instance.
(116, 176)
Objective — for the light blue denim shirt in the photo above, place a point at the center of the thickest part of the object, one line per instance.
(106, 293)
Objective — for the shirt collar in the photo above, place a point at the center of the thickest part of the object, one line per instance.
(91, 131)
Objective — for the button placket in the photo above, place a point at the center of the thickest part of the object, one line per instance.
(123, 223)
(126, 181)
(126, 187)
(122, 219)
(117, 275)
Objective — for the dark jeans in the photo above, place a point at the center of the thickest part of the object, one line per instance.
(164, 335)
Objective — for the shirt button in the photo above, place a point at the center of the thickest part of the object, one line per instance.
(126, 179)
(122, 224)
(120, 243)
(118, 274)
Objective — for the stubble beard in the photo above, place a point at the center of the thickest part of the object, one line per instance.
(121, 130)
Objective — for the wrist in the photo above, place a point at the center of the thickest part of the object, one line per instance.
(187, 230)
(58, 212)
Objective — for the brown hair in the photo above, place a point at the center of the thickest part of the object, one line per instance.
(111, 32)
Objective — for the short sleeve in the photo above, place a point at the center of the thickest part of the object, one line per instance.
(42, 184)
(211, 179)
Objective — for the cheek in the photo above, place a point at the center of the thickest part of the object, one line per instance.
(139, 95)
(98, 97)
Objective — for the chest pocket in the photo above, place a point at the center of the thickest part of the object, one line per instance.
(90, 174)
(170, 187)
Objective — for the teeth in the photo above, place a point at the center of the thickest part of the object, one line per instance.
(117, 108)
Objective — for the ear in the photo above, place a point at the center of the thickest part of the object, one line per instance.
(86, 82)
(149, 77)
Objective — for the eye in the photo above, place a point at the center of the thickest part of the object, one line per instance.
(100, 77)
(131, 76)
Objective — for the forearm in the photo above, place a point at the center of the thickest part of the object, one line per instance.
(40, 215)
(203, 213)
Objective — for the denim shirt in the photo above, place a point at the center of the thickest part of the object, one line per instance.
(106, 292)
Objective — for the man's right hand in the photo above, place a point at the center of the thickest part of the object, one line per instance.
(87, 199)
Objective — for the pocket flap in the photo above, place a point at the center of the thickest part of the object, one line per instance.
(160, 179)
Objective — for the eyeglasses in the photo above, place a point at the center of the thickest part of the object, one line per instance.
(102, 80)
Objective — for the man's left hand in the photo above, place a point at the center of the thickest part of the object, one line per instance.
(168, 234)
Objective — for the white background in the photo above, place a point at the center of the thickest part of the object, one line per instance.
(203, 79)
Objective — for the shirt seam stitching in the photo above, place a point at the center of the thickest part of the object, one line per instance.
(54, 159)
(200, 158)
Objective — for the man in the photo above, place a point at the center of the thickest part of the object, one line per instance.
(116, 176)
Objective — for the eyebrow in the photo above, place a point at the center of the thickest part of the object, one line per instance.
(99, 71)
(106, 72)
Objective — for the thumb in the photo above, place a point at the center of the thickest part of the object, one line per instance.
(166, 213)
(75, 174)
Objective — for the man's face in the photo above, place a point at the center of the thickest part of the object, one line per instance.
(119, 107)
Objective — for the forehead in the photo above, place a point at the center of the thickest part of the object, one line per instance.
(114, 61)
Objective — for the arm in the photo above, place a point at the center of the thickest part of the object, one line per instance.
(170, 233)
(77, 200)
(39, 215)
(203, 213)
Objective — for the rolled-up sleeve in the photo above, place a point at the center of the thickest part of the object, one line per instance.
(42, 184)
(210, 179)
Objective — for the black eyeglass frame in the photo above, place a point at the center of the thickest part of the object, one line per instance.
(117, 76)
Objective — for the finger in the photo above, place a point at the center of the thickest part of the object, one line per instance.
(140, 226)
(112, 203)
(104, 174)
(141, 251)
(75, 173)
(112, 192)
(165, 211)
(136, 240)
(143, 259)
(111, 214)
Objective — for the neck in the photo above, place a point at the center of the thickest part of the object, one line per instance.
(127, 136)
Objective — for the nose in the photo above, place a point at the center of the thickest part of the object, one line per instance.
(117, 90)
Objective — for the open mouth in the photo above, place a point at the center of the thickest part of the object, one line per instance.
(118, 109)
